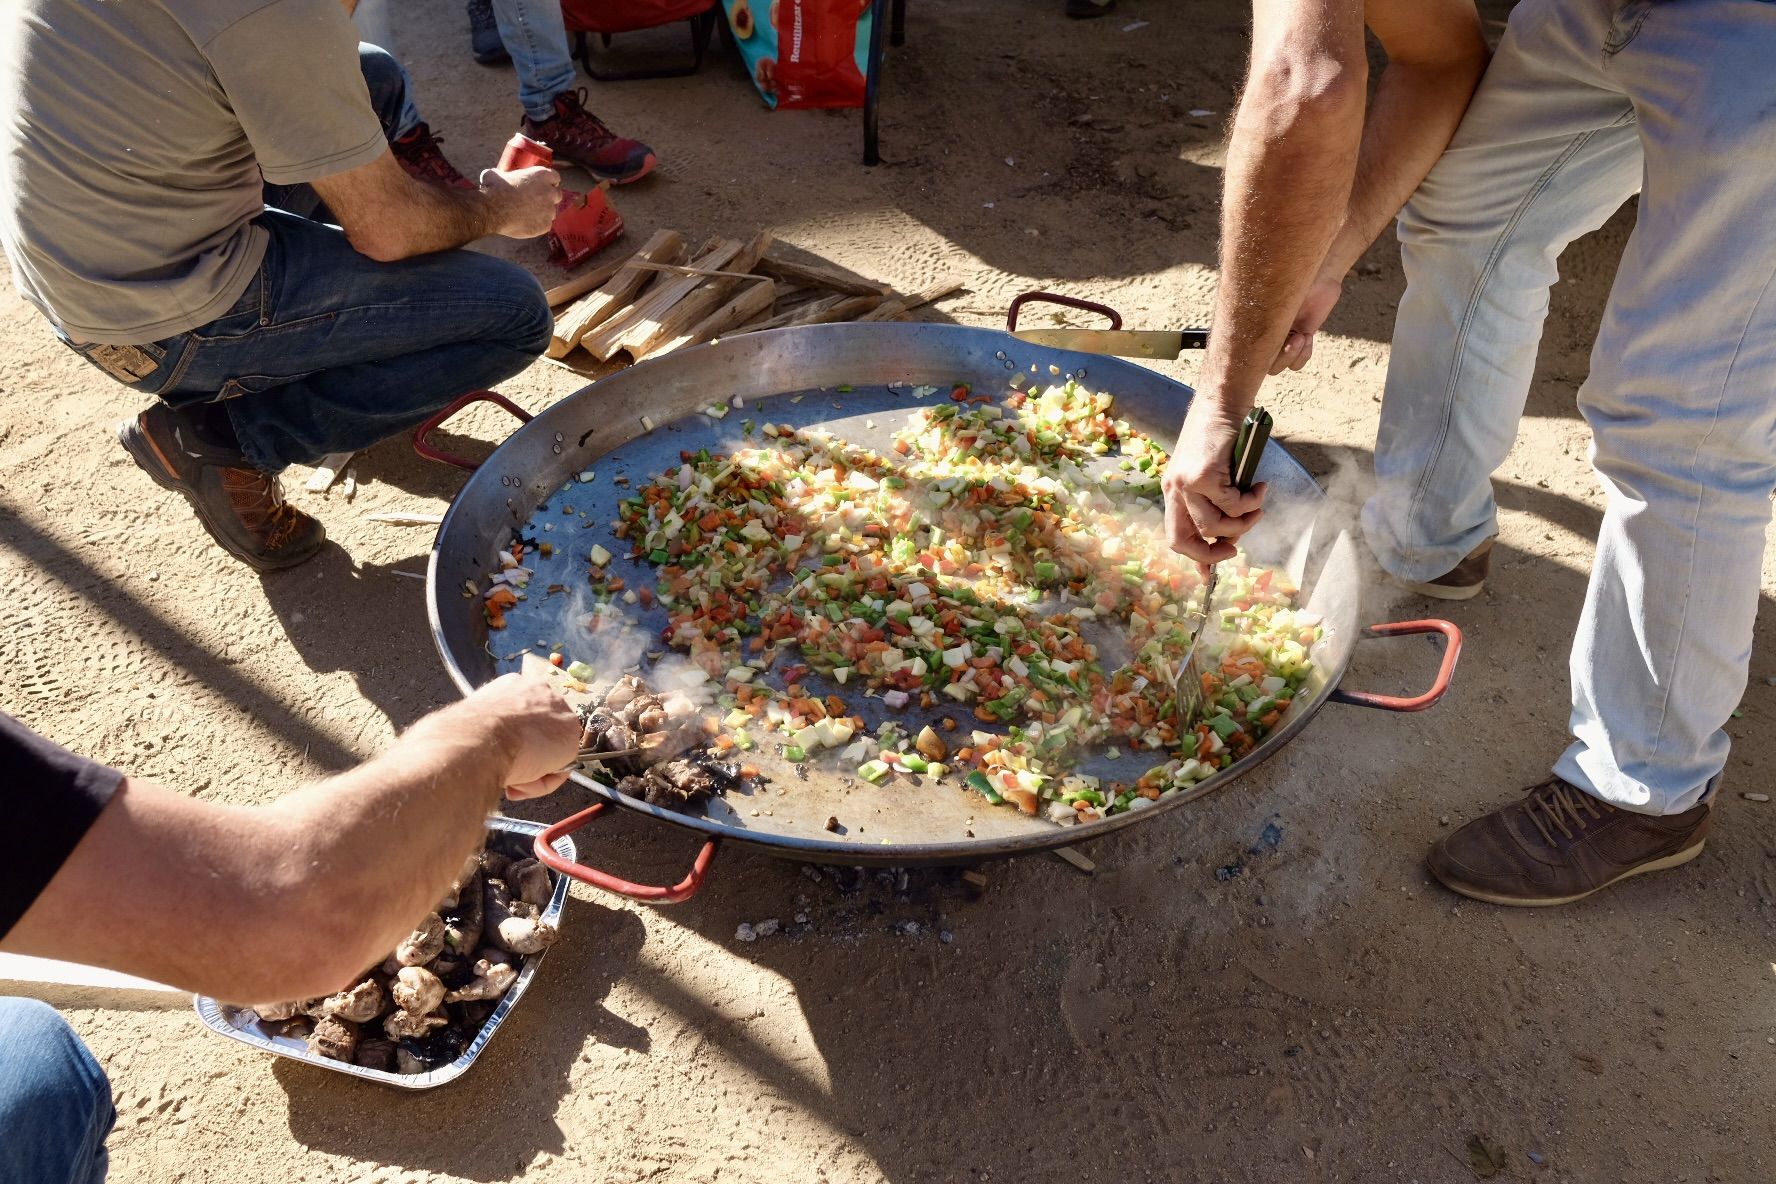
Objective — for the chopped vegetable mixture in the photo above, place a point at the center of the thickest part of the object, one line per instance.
(968, 570)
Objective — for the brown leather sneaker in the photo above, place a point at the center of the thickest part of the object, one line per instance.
(1560, 844)
(243, 509)
(1462, 582)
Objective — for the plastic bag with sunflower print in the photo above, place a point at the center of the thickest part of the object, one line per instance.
(804, 53)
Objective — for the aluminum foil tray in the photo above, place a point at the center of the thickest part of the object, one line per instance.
(239, 1023)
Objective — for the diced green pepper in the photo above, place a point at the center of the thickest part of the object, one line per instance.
(794, 753)
(977, 780)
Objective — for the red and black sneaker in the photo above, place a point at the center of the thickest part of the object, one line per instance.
(574, 133)
(420, 155)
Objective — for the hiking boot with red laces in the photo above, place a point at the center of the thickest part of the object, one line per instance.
(243, 509)
(574, 133)
(420, 155)
(1560, 844)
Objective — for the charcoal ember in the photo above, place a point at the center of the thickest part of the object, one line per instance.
(375, 1052)
(277, 1013)
(634, 786)
(494, 863)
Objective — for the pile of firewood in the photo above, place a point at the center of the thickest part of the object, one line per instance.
(665, 296)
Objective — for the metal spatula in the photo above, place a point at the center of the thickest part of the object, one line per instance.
(1248, 450)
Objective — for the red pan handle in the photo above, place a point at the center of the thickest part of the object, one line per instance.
(1018, 302)
(676, 894)
(1445, 671)
(422, 443)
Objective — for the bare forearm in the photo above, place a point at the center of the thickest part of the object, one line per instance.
(428, 218)
(392, 833)
(1415, 111)
(270, 902)
(1288, 184)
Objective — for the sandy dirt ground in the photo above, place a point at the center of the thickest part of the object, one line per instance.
(1327, 1013)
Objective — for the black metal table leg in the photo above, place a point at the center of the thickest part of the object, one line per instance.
(878, 11)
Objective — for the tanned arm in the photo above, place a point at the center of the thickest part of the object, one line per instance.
(389, 215)
(1307, 185)
(1436, 55)
(1290, 165)
(294, 899)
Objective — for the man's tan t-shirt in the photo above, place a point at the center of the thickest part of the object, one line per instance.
(134, 139)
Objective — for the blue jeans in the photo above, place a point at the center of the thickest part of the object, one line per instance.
(1586, 103)
(536, 38)
(55, 1104)
(330, 351)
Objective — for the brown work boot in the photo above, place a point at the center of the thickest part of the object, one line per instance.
(418, 152)
(243, 509)
(1560, 844)
(1462, 582)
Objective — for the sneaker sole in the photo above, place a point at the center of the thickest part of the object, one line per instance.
(1656, 865)
(1448, 591)
(647, 166)
(151, 460)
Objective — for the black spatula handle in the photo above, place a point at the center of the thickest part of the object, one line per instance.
(1248, 448)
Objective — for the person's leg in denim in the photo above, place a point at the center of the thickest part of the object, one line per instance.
(1683, 374)
(331, 351)
(554, 108)
(535, 36)
(55, 1103)
(1547, 152)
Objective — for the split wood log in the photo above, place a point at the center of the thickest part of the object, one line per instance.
(932, 294)
(614, 294)
(814, 276)
(753, 299)
(327, 471)
(819, 312)
(888, 310)
(698, 304)
(581, 284)
(629, 328)
(681, 269)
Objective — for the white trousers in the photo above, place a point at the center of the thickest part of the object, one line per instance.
(1587, 102)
